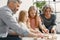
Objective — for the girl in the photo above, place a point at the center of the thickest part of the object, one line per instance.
(35, 21)
(23, 16)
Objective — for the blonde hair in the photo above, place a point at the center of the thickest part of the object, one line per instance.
(22, 15)
(36, 16)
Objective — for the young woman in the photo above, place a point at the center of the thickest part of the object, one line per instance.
(48, 18)
(35, 21)
(23, 16)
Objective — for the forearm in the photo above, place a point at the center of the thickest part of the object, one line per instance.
(13, 33)
(31, 34)
(32, 30)
(42, 27)
(54, 27)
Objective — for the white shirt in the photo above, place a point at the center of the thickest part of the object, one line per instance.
(24, 26)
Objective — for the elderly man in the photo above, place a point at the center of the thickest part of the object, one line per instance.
(7, 21)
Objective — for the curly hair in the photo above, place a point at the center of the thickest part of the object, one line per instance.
(46, 7)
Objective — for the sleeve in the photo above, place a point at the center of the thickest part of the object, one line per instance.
(25, 28)
(42, 16)
(11, 22)
(54, 20)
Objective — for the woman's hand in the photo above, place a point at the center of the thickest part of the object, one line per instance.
(45, 31)
(53, 31)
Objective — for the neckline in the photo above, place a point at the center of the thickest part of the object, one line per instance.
(46, 18)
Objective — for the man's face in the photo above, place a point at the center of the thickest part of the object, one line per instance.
(16, 7)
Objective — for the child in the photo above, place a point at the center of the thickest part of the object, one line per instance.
(23, 16)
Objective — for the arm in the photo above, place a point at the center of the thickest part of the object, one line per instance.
(25, 27)
(53, 30)
(11, 22)
(54, 22)
(42, 27)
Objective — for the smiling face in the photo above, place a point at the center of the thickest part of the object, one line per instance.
(14, 6)
(32, 12)
(48, 11)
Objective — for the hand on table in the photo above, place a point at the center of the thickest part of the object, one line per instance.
(53, 31)
(40, 35)
(46, 31)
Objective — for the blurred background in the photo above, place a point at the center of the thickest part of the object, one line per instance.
(55, 4)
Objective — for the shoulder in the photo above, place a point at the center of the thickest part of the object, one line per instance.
(41, 15)
(4, 11)
(4, 8)
(38, 18)
(21, 23)
(54, 16)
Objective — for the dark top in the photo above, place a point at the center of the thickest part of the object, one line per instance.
(49, 23)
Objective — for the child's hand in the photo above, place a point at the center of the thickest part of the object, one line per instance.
(46, 31)
(40, 35)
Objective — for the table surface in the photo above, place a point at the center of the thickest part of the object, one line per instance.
(57, 36)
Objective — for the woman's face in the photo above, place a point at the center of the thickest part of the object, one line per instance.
(32, 13)
(48, 11)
